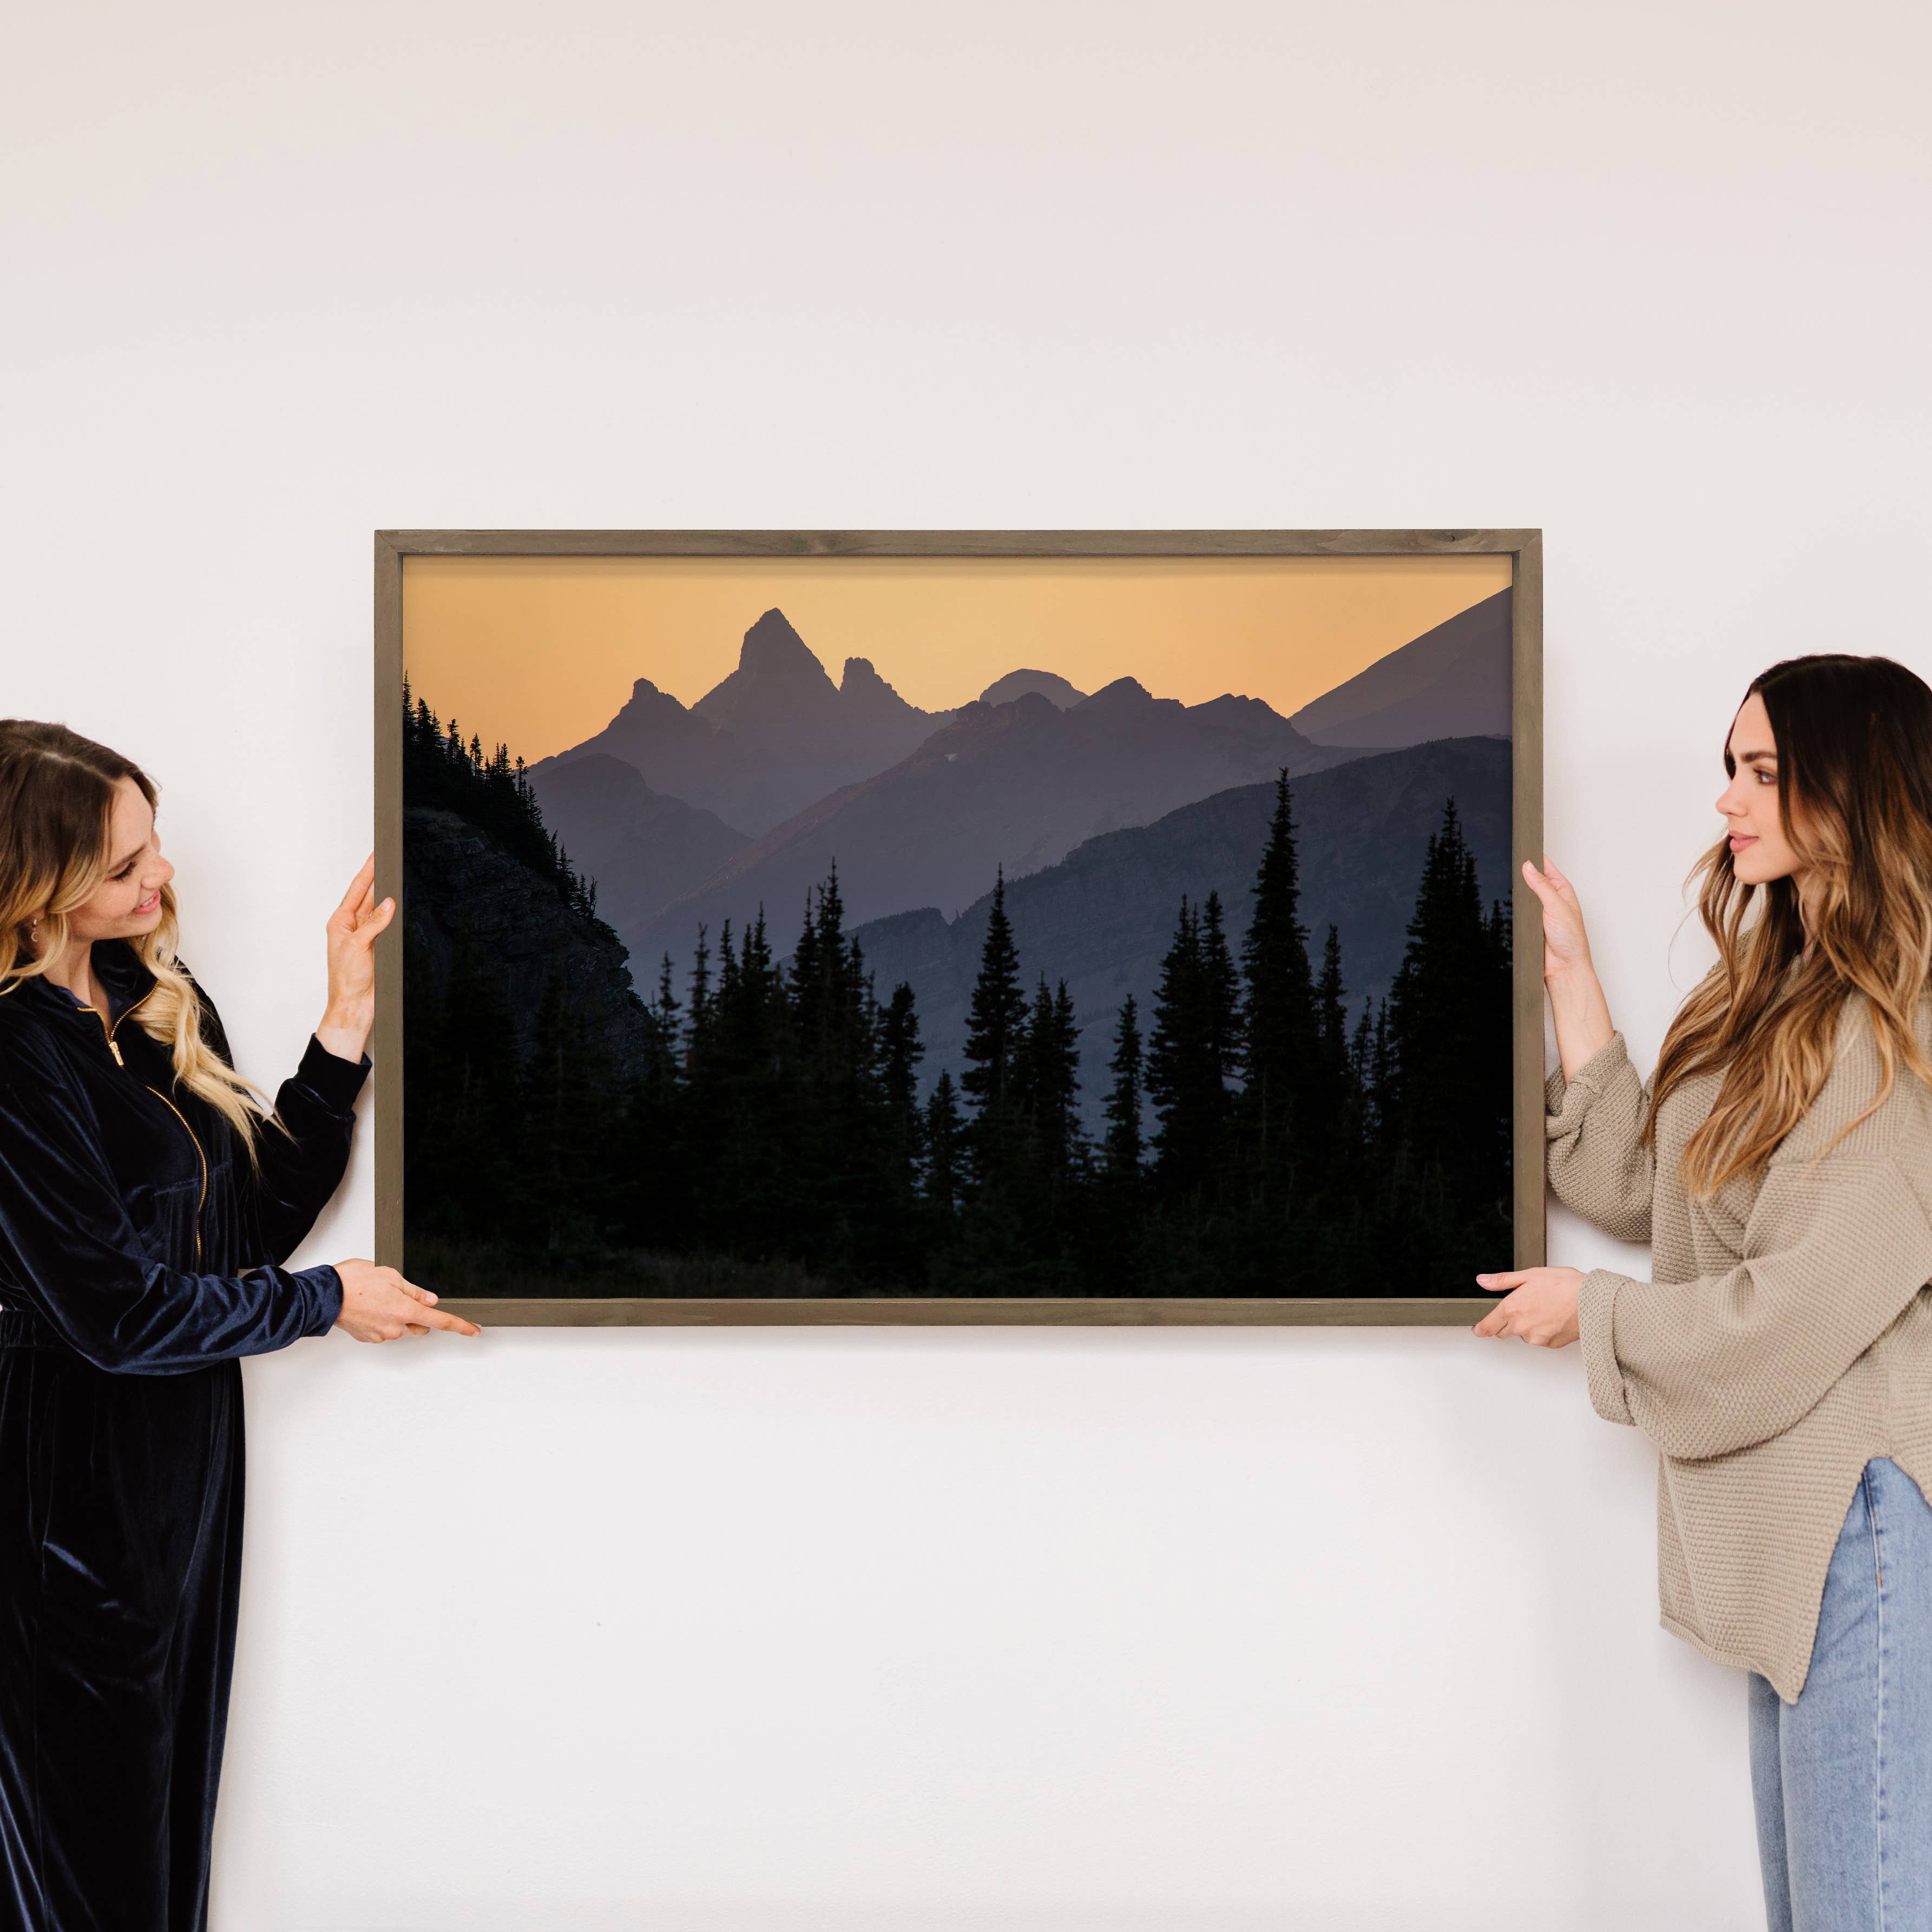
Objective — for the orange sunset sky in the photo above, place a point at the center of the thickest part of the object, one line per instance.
(539, 653)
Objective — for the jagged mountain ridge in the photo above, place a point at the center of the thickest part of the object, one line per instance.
(1103, 918)
(1019, 784)
(768, 740)
(1452, 682)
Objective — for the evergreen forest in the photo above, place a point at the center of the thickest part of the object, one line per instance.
(767, 1130)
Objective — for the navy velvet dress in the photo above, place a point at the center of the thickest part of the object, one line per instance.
(140, 1257)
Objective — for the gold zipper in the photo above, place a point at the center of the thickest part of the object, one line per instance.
(201, 1153)
(113, 1046)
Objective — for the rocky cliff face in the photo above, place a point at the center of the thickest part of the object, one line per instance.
(459, 883)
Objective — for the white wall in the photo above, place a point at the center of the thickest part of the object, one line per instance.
(1088, 1632)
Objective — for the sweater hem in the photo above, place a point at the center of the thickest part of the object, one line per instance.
(1730, 1659)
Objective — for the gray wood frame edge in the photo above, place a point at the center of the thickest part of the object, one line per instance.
(1524, 546)
(963, 1311)
(1117, 543)
(1529, 1205)
(386, 1043)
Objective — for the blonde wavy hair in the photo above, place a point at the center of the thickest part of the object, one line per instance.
(1854, 743)
(56, 805)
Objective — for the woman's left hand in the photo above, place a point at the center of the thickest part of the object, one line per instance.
(352, 929)
(1539, 1305)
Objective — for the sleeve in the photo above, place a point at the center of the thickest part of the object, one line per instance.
(1598, 1162)
(302, 1162)
(301, 1168)
(1836, 1250)
(76, 1259)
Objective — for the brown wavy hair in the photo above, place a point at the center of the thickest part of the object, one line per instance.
(1854, 743)
(56, 807)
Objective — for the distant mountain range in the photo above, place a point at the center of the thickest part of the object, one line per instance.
(775, 736)
(1452, 681)
(1104, 917)
(1019, 784)
(748, 797)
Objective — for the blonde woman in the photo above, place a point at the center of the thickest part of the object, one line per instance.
(1779, 1161)
(148, 1202)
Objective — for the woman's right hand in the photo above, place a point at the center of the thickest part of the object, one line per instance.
(1566, 946)
(378, 1305)
(1581, 1013)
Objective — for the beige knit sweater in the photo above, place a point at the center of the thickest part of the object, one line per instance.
(1785, 1339)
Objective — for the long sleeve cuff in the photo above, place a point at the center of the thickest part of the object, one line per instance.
(325, 1289)
(1565, 1102)
(334, 1081)
(1596, 1321)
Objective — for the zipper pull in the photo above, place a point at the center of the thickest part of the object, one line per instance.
(114, 1048)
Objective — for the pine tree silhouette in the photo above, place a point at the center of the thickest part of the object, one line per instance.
(1185, 1067)
(494, 794)
(946, 1154)
(1221, 991)
(1445, 1098)
(1278, 1109)
(1123, 1146)
(996, 1021)
(902, 1052)
(1046, 1088)
(829, 990)
(1332, 1105)
(698, 1026)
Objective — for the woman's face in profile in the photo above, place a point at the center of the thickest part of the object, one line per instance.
(1760, 851)
(127, 902)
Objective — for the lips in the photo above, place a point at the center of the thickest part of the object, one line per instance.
(1739, 840)
(148, 903)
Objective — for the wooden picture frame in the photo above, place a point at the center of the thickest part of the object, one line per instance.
(1522, 547)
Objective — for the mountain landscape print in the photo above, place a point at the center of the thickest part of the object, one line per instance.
(957, 928)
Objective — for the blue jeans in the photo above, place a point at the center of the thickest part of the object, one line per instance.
(1842, 1780)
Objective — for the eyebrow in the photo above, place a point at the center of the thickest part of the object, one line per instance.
(121, 865)
(1756, 757)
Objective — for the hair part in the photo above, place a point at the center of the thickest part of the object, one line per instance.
(1854, 741)
(57, 792)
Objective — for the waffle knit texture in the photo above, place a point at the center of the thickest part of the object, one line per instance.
(1785, 1341)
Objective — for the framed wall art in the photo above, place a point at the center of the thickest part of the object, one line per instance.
(1099, 926)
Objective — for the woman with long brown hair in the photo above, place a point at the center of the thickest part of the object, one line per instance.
(1780, 1163)
(148, 1200)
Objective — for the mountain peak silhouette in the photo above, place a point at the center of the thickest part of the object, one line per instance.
(1127, 694)
(779, 686)
(1017, 683)
(865, 700)
(772, 649)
